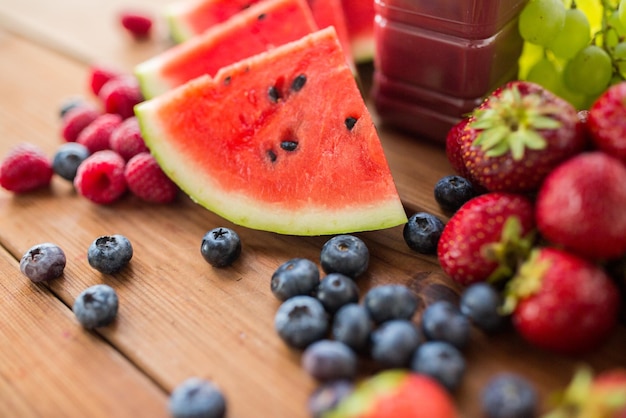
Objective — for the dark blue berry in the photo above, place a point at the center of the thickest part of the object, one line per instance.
(67, 159)
(298, 276)
(110, 253)
(481, 303)
(443, 321)
(69, 104)
(301, 320)
(43, 262)
(197, 398)
(390, 301)
(96, 306)
(328, 395)
(451, 192)
(352, 325)
(394, 342)
(336, 290)
(326, 360)
(508, 395)
(441, 361)
(345, 254)
(221, 247)
(422, 231)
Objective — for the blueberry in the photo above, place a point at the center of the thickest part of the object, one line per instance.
(197, 398)
(451, 192)
(336, 290)
(96, 306)
(69, 104)
(301, 320)
(394, 342)
(481, 303)
(345, 254)
(390, 301)
(328, 395)
(441, 361)
(326, 360)
(221, 247)
(298, 276)
(443, 321)
(509, 395)
(43, 262)
(352, 325)
(67, 159)
(422, 232)
(110, 253)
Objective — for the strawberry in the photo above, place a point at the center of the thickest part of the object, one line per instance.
(580, 206)
(602, 395)
(517, 136)
(396, 394)
(486, 237)
(607, 121)
(561, 302)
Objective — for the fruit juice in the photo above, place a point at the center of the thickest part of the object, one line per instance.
(436, 60)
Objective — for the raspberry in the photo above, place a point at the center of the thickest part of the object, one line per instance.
(147, 181)
(119, 95)
(126, 139)
(100, 178)
(138, 24)
(25, 168)
(77, 119)
(99, 75)
(95, 137)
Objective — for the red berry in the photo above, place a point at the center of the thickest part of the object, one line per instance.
(485, 237)
(607, 121)
(582, 206)
(95, 137)
(100, 177)
(99, 75)
(562, 302)
(127, 140)
(76, 119)
(146, 180)
(138, 24)
(120, 95)
(25, 168)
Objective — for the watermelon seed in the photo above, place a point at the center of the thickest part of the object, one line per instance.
(272, 155)
(350, 122)
(289, 145)
(227, 80)
(274, 94)
(298, 82)
(261, 16)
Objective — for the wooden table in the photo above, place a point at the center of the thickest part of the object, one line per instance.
(178, 316)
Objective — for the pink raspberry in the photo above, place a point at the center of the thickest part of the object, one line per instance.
(76, 119)
(127, 140)
(146, 180)
(138, 24)
(99, 75)
(25, 168)
(119, 95)
(100, 177)
(96, 136)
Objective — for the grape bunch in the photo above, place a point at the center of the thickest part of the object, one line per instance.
(574, 48)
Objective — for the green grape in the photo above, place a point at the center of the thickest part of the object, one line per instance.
(545, 73)
(589, 72)
(619, 58)
(530, 55)
(576, 35)
(621, 11)
(593, 9)
(540, 21)
(615, 30)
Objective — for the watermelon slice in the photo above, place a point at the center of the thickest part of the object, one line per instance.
(253, 30)
(359, 16)
(188, 18)
(281, 141)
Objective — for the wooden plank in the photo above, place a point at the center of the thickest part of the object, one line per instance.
(51, 366)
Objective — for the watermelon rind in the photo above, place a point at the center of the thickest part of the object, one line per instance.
(205, 173)
(179, 31)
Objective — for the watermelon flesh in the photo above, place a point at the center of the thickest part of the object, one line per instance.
(359, 16)
(189, 18)
(253, 30)
(281, 141)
